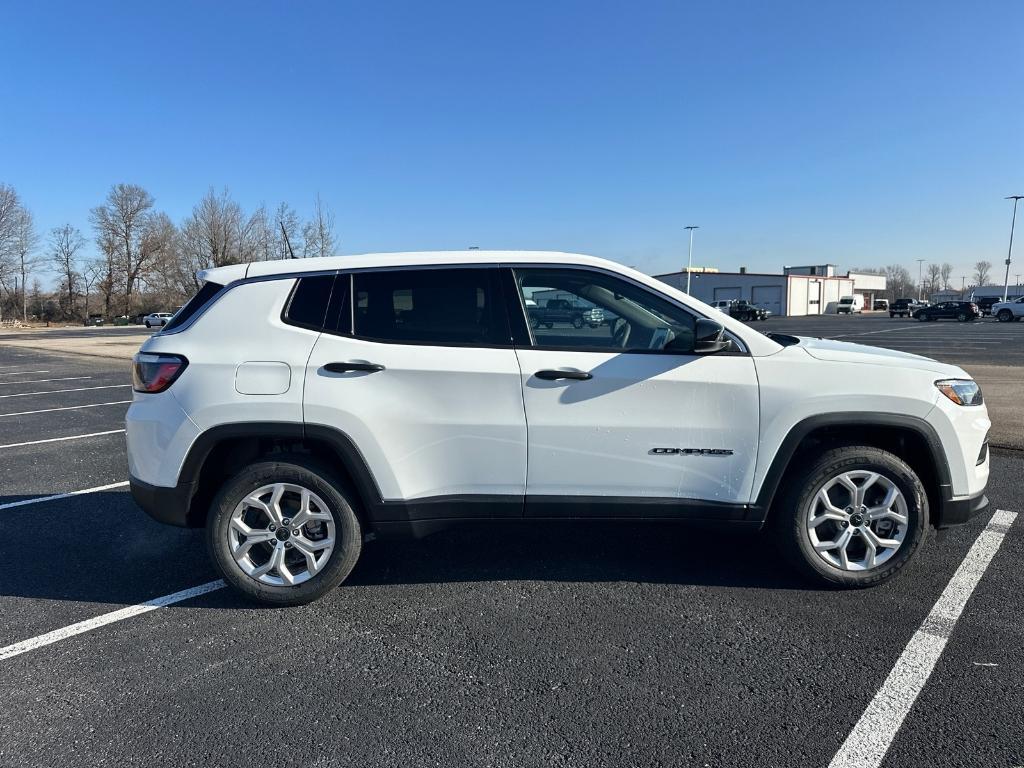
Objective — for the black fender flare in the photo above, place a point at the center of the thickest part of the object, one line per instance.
(781, 461)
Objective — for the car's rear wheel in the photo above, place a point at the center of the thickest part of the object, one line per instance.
(1004, 316)
(962, 317)
(577, 322)
(284, 532)
(892, 314)
(148, 325)
(853, 518)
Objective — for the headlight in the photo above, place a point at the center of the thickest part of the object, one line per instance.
(961, 391)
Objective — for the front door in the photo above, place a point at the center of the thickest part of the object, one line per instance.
(623, 418)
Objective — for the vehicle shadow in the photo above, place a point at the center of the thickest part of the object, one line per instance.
(102, 548)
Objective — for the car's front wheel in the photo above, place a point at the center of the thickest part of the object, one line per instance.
(284, 532)
(1004, 316)
(148, 325)
(962, 317)
(853, 518)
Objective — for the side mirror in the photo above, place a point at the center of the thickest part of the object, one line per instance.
(707, 338)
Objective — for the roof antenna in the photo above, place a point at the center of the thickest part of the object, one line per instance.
(286, 241)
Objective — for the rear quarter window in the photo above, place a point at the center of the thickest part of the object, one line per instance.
(203, 297)
(307, 305)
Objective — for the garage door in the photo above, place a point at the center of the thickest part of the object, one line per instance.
(767, 297)
(723, 294)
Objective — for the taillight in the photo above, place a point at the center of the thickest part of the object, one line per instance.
(154, 372)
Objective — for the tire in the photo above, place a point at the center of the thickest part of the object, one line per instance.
(337, 503)
(577, 322)
(148, 325)
(892, 315)
(961, 318)
(1004, 316)
(921, 317)
(794, 508)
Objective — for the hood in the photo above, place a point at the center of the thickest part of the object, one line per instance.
(846, 352)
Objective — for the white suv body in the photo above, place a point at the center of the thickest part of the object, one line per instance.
(414, 386)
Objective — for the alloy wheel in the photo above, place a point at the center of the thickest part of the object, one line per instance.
(857, 520)
(281, 534)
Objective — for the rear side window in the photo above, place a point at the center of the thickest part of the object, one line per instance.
(307, 306)
(203, 297)
(458, 306)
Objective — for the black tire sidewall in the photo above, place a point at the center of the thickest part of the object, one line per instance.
(348, 530)
(796, 542)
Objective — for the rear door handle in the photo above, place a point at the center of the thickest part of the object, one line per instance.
(550, 375)
(349, 367)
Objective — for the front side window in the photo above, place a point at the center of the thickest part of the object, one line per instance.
(587, 310)
(454, 305)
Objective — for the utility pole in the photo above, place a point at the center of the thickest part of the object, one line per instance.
(1009, 253)
(963, 286)
(920, 285)
(689, 262)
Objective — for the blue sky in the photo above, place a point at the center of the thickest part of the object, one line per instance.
(856, 133)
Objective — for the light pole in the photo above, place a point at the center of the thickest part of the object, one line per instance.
(920, 285)
(1009, 253)
(689, 261)
(963, 286)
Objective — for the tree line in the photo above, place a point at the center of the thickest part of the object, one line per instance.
(141, 260)
(900, 284)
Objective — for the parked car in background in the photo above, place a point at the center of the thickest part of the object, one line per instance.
(1005, 311)
(985, 304)
(744, 310)
(962, 311)
(722, 305)
(904, 307)
(94, 320)
(848, 305)
(881, 305)
(157, 319)
(563, 311)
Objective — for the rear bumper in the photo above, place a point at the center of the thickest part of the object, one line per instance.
(165, 505)
(952, 512)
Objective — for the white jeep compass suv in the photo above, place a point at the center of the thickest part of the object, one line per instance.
(379, 395)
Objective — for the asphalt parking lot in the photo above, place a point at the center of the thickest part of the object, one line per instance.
(539, 645)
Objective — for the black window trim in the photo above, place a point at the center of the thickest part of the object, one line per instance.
(739, 348)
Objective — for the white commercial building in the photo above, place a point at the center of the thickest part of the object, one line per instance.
(806, 290)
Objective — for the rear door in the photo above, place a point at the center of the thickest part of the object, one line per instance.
(623, 419)
(417, 368)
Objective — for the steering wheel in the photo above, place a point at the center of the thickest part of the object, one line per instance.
(620, 333)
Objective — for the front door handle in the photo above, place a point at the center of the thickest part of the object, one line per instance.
(550, 375)
(349, 367)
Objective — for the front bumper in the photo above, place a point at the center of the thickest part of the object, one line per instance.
(165, 505)
(952, 512)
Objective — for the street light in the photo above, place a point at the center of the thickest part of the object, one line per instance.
(689, 262)
(1009, 253)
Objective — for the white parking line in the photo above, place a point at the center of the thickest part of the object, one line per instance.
(42, 381)
(22, 373)
(59, 391)
(65, 408)
(107, 618)
(68, 495)
(61, 439)
(873, 734)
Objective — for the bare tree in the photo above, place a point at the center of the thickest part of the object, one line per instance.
(122, 221)
(318, 232)
(898, 282)
(212, 233)
(981, 270)
(945, 274)
(24, 243)
(10, 209)
(91, 275)
(262, 240)
(65, 243)
(934, 277)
